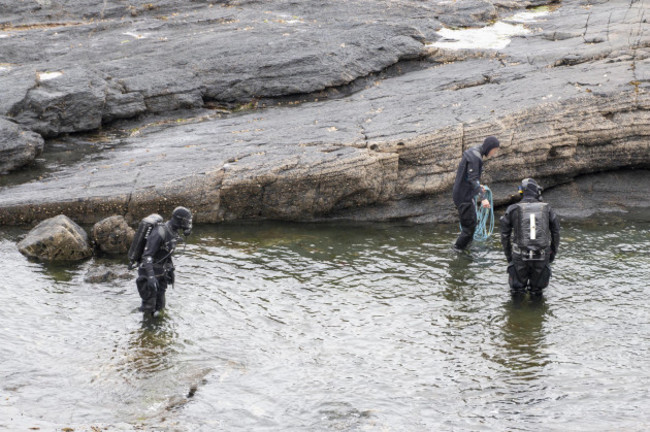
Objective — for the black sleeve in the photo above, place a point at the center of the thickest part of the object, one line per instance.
(506, 233)
(474, 176)
(554, 223)
(153, 244)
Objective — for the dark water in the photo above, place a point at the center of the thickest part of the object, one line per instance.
(278, 327)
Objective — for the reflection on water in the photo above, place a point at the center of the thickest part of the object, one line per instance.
(151, 347)
(323, 327)
(523, 335)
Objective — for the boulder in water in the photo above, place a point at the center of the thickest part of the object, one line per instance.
(113, 235)
(56, 239)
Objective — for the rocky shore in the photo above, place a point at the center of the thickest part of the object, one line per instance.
(318, 111)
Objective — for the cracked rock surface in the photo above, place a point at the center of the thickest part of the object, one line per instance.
(350, 110)
(18, 146)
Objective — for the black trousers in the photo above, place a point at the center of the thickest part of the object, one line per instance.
(468, 222)
(152, 300)
(532, 274)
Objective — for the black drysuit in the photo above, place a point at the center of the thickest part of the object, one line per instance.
(156, 263)
(528, 266)
(466, 187)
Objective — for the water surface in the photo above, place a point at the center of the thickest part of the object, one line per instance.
(282, 327)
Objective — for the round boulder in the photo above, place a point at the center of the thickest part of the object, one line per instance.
(113, 235)
(56, 239)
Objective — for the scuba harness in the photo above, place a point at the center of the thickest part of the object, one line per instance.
(145, 228)
(532, 236)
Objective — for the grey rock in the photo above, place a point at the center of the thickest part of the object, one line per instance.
(562, 105)
(119, 104)
(15, 81)
(313, 180)
(56, 239)
(62, 101)
(121, 60)
(18, 146)
(161, 60)
(596, 194)
(468, 13)
(113, 235)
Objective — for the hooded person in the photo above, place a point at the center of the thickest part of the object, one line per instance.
(467, 187)
(156, 268)
(530, 236)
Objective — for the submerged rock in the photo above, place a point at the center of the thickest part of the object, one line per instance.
(56, 239)
(113, 235)
(18, 146)
(103, 274)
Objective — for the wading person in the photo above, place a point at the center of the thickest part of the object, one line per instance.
(530, 235)
(153, 246)
(468, 186)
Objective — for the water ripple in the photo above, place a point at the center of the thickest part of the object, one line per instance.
(318, 327)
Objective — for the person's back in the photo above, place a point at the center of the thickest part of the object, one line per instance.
(530, 236)
(531, 227)
(467, 184)
(156, 270)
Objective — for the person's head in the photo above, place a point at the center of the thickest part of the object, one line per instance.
(530, 189)
(182, 220)
(490, 147)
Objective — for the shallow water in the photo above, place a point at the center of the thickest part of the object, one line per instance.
(280, 327)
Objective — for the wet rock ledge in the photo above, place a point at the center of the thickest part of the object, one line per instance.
(296, 111)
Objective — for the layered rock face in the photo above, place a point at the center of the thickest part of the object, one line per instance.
(352, 110)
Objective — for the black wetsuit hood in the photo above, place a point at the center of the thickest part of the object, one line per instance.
(488, 144)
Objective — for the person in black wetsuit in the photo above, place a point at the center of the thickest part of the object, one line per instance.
(156, 270)
(468, 185)
(530, 236)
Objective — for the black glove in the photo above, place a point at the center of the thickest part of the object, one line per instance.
(552, 257)
(171, 276)
(152, 284)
